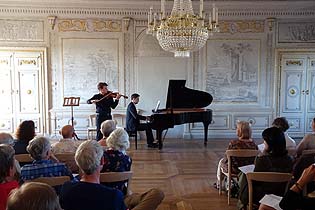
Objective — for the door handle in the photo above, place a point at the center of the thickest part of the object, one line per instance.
(307, 92)
(303, 92)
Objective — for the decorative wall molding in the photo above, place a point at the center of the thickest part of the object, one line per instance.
(141, 11)
(89, 25)
(22, 30)
(296, 32)
(242, 26)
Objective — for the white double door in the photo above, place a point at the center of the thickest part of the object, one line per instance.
(21, 89)
(297, 92)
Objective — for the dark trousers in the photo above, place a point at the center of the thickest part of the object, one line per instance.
(147, 128)
(99, 119)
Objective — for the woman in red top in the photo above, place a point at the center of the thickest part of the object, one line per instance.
(7, 171)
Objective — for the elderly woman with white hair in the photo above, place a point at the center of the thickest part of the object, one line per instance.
(116, 160)
(107, 127)
(40, 150)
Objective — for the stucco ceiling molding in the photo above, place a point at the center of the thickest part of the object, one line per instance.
(142, 13)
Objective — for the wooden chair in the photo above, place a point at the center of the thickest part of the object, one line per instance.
(68, 159)
(234, 153)
(265, 177)
(109, 177)
(52, 181)
(92, 126)
(308, 151)
(23, 158)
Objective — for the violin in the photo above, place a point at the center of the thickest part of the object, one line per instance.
(111, 94)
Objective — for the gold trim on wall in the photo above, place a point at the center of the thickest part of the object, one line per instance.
(89, 25)
(242, 26)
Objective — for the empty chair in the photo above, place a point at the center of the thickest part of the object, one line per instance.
(92, 126)
(274, 177)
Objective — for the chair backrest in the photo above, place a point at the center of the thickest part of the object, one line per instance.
(120, 119)
(52, 181)
(109, 177)
(68, 159)
(265, 177)
(308, 151)
(92, 120)
(239, 153)
(23, 158)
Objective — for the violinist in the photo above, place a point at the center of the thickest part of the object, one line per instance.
(104, 101)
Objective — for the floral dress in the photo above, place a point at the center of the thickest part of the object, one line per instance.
(239, 161)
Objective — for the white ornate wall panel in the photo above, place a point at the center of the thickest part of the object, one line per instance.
(220, 122)
(21, 30)
(90, 41)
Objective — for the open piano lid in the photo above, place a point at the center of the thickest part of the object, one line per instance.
(179, 96)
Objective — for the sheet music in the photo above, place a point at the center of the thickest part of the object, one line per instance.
(272, 201)
(261, 147)
(247, 168)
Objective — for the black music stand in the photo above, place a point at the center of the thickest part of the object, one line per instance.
(72, 101)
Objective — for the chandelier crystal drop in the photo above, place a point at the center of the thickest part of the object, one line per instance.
(182, 32)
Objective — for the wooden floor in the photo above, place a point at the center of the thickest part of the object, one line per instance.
(185, 170)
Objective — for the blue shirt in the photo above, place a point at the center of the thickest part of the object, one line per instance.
(44, 168)
(77, 195)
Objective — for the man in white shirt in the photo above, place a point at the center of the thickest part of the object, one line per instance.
(67, 144)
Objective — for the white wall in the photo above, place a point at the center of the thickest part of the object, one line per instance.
(139, 64)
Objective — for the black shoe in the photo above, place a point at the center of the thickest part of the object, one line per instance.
(153, 145)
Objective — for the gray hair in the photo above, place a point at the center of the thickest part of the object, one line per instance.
(88, 156)
(118, 140)
(6, 160)
(6, 138)
(107, 127)
(38, 147)
(23, 197)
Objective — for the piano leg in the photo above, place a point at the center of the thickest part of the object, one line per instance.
(159, 137)
(205, 125)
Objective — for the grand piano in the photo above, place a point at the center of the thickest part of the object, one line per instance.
(183, 105)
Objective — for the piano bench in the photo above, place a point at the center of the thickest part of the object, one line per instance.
(134, 135)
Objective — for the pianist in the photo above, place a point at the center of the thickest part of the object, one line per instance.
(133, 121)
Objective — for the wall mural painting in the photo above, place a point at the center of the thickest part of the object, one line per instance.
(86, 62)
(233, 70)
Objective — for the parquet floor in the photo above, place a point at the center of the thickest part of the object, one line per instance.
(184, 169)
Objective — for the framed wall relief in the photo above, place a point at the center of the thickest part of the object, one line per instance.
(232, 72)
(297, 32)
(87, 61)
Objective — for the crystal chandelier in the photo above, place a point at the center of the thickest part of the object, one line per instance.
(182, 32)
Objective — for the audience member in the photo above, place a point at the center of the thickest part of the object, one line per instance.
(294, 199)
(6, 138)
(116, 160)
(40, 150)
(7, 172)
(88, 193)
(274, 159)
(107, 127)
(308, 142)
(244, 141)
(282, 124)
(24, 133)
(67, 143)
(33, 196)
